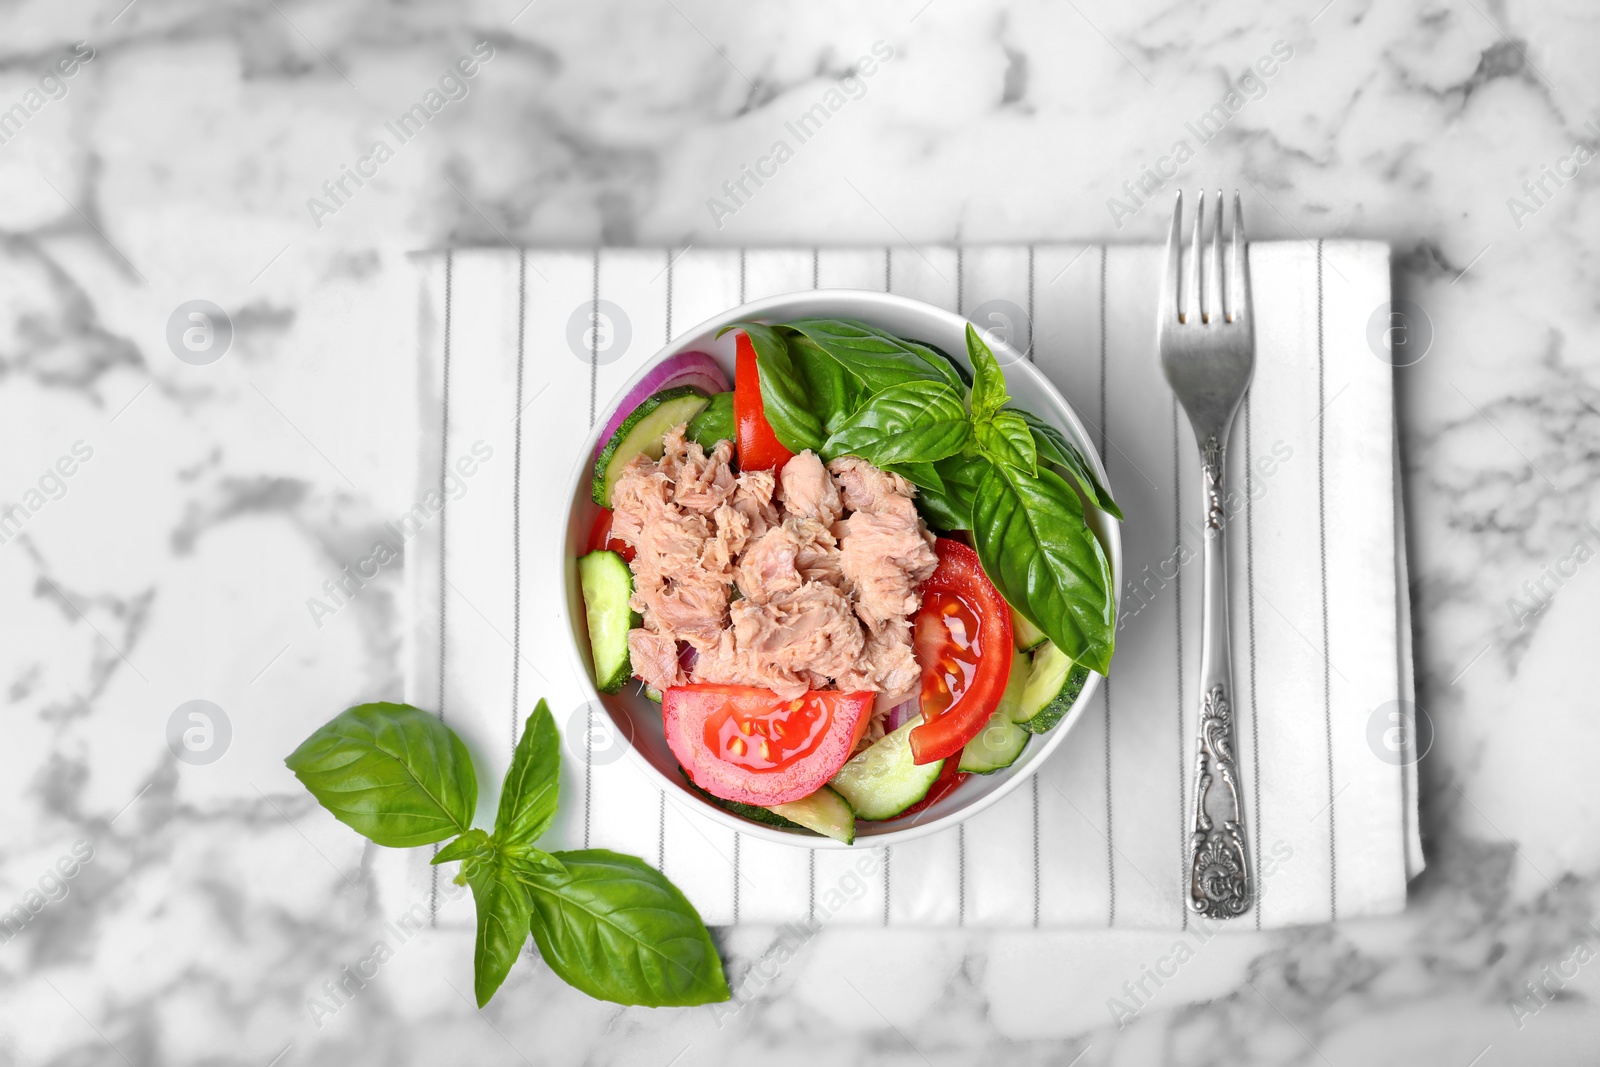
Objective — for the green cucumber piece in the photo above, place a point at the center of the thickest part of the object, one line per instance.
(1025, 634)
(1016, 684)
(642, 432)
(1001, 740)
(652, 693)
(764, 816)
(713, 424)
(997, 745)
(607, 584)
(883, 781)
(1054, 682)
(825, 812)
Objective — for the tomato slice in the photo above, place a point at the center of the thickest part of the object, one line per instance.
(600, 537)
(950, 776)
(750, 745)
(759, 448)
(963, 644)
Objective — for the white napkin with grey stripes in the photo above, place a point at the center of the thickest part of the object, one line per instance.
(1098, 837)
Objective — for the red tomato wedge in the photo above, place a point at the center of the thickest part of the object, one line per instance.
(963, 639)
(600, 537)
(759, 448)
(749, 745)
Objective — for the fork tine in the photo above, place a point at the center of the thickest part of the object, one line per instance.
(1211, 284)
(1239, 280)
(1169, 275)
(1191, 268)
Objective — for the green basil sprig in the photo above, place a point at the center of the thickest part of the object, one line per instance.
(988, 380)
(608, 924)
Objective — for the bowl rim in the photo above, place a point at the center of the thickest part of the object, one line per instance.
(852, 300)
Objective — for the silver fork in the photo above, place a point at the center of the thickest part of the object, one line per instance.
(1207, 342)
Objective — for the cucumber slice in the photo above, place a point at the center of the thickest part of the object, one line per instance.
(652, 693)
(883, 781)
(1016, 684)
(1054, 682)
(764, 816)
(997, 745)
(607, 584)
(1001, 740)
(713, 424)
(642, 432)
(824, 811)
(1025, 634)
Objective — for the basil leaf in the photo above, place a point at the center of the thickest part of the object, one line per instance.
(391, 772)
(532, 782)
(530, 861)
(949, 507)
(988, 380)
(1034, 545)
(474, 844)
(916, 422)
(960, 368)
(713, 424)
(617, 929)
(875, 358)
(783, 390)
(1050, 442)
(921, 475)
(1053, 447)
(1006, 438)
(503, 915)
(832, 391)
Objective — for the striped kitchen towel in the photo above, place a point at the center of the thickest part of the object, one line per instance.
(520, 352)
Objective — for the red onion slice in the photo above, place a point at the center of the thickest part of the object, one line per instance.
(901, 714)
(686, 368)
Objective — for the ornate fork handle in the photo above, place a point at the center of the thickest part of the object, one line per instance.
(1220, 880)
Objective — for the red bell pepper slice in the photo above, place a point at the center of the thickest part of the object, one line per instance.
(759, 448)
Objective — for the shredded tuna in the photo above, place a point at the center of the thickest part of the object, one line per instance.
(886, 553)
(655, 659)
(817, 552)
(701, 483)
(807, 490)
(866, 488)
(682, 568)
(806, 578)
(767, 567)
(752, 498)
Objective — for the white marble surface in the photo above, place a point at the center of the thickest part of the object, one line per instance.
(175, 562)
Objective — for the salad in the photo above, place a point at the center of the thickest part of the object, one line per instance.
(852, 576)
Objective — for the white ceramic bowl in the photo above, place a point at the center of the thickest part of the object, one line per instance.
(639, 719)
